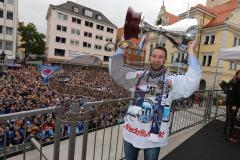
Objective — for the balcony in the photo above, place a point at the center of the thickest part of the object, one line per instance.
(101, 138)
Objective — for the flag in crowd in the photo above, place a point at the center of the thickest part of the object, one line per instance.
(48, 71)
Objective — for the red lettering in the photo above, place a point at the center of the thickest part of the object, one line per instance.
(161, 133)
(136, 131)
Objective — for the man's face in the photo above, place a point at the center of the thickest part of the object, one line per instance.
(157, 59)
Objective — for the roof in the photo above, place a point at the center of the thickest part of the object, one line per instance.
(223, 12)
(172, 18)
(230, 54)
(204, 8)
(69, 6)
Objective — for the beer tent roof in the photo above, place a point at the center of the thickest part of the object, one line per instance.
(230, 55)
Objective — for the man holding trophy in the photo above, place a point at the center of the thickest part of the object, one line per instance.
(147, 120)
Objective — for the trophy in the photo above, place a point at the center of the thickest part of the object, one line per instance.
(179, 33)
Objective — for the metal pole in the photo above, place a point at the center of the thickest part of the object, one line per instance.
(85, 139)
(172, 118)
(72, 138)
(24, 139)
(5, 142)
(215, 79)
(41, 140)
(57, 138)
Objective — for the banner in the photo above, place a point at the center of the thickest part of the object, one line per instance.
(48, 71)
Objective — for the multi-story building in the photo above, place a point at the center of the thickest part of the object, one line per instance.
(74, 30)
(219, 23)
(20, 51)
(8, 27)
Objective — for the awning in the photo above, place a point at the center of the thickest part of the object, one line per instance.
(230, 54)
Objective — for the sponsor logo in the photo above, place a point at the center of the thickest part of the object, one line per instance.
(141, 132)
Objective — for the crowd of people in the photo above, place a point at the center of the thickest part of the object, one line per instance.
(23, 89)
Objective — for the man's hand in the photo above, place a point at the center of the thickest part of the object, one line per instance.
(191, 47)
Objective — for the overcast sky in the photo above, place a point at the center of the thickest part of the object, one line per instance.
(115, 10)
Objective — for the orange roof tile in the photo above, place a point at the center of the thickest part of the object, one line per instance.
(172, 18)
(222, 11)
(206, 9)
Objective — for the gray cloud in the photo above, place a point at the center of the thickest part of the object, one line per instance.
(115, 10)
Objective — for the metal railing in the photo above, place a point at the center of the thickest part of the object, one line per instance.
(102, 139)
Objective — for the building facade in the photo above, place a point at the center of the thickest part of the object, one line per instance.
(74, 30)
(8, 27)
(219, 23)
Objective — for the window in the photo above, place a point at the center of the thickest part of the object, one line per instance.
(87, 34)
(100, 27)
(88, 24)
(109, 39)
(106, 58)
(98, 47)
(236, 41)
(172, 58)
(1, 29)
(88, 13)
(212, 39)
(207, 59)
(2, 1)
(233, 66)
(1, 13)
(209, 39)
(76, 20)
(109, 30)
(1, 44)
(107, 48)
(99, 17)
(10, 15)
(204, 60)
(9, 45)
(61, 28)
(59, 52)
(75, 31)
(86, 44)
(62, 16)
(60, 39)
(75, 9)
(99, 37)
(10, 1)
(206, 40)
(74, 42)
(9, 30)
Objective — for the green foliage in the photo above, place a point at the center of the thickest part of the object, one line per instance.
(32, 41)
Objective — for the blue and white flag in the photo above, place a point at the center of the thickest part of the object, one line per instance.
(48, 71)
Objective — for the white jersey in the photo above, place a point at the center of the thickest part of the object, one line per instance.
(135, 131)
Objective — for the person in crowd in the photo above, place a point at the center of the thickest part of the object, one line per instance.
(233, 104)
(23, 89)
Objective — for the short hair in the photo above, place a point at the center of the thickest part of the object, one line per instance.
(161, 48)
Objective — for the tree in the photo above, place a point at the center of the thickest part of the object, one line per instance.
(32, 41)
